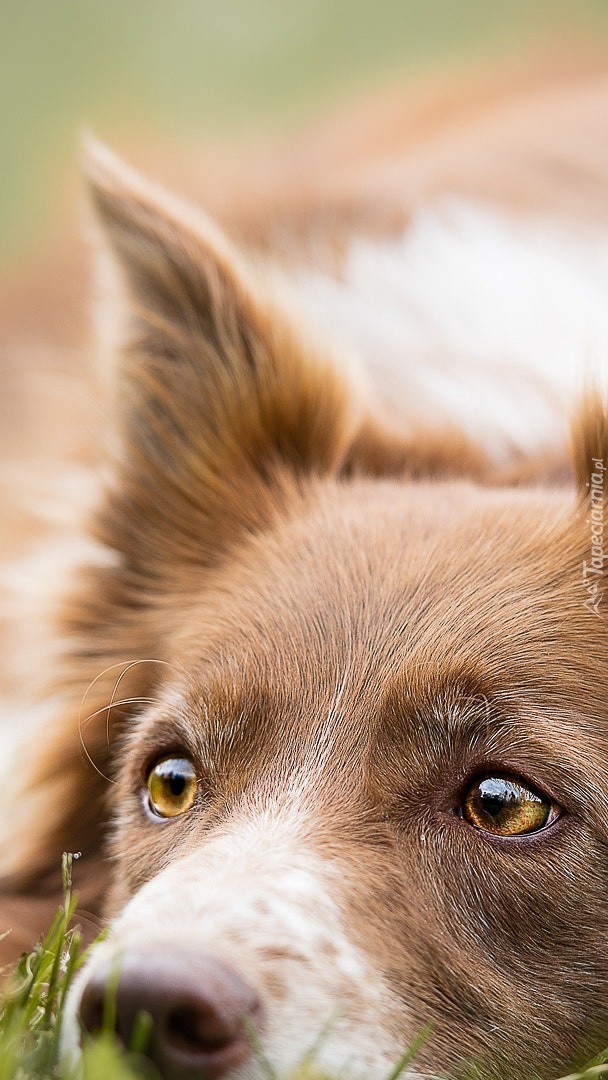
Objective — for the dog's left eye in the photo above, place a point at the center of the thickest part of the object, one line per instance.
(172, 787)
(507, 806)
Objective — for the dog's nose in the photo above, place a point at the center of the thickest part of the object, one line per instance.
(199, 1009)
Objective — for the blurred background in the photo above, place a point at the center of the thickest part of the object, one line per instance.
(190, 70)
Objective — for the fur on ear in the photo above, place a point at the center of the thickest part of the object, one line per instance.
(216, 396)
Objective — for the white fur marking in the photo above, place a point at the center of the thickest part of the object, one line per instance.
(475, 318)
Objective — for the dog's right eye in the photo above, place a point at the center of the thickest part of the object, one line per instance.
(172, 787)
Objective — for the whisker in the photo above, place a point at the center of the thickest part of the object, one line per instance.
(90, 759)
(122, 664)
(126, 670)
(89, 916)
(97, 712)
(126, 665)
(116, 705)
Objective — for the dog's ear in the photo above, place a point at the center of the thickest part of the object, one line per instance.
(220, 402)
(217, 400)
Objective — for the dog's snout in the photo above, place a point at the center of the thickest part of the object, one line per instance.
(199, 1008)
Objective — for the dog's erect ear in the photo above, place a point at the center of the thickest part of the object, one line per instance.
(215, 393)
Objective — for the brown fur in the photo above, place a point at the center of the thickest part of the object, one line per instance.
(274, 540)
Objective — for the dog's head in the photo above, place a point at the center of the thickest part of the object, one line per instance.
(349, 713)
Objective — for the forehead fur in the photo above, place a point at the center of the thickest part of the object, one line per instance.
(362, 562)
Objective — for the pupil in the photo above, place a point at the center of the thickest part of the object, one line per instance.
(177, 784)
(497, 795)
(492, 804)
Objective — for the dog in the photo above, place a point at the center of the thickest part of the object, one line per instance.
(325, 713)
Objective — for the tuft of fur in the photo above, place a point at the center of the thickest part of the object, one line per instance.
(590, 436)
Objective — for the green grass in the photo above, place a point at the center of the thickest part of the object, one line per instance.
(32, 1009)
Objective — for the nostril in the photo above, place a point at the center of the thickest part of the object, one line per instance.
(191, 1029)
(92, 1006)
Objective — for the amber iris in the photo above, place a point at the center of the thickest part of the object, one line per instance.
(507, 806)
(172, 787)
